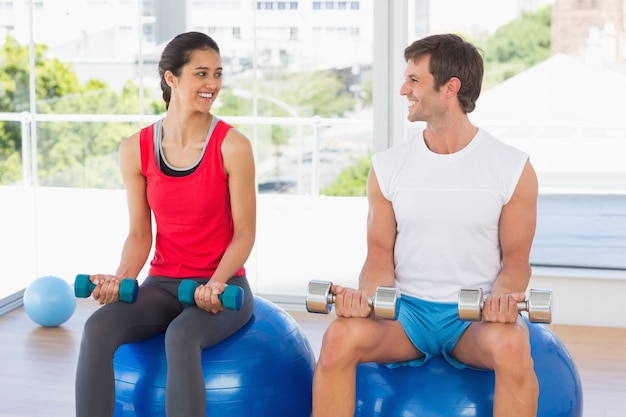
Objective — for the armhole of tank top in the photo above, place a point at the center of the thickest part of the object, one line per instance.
(145, 137)
(220, 132)
(516, 177)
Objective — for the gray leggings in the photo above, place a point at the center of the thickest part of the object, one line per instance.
(188, 330)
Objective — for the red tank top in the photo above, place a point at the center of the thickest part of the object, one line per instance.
(192, 212)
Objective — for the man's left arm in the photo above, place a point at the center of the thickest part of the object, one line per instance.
(517, 230)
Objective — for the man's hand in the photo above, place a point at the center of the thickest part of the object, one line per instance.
(350, 302)
(502, 308)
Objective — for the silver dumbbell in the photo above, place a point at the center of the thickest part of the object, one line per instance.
(538, 305)
(319, 299)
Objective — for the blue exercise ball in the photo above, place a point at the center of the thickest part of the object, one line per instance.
(439, 389)
(264, 369)
(49, 301)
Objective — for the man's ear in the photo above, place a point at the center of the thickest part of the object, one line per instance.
(453, 86)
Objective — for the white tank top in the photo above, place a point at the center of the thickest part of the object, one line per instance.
(447, 210)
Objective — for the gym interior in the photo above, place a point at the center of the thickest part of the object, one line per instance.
(67, 221)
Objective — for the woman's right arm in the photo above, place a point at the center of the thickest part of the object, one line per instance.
(139, 239)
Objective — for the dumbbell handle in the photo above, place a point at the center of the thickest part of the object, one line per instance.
(231, 298)
(83, 287)
(331, 299)
(521, 305)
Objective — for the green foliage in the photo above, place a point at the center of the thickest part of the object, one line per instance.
(285, 95)
(367, 92)
(53, 78)
(10, 161)
(85, 154)
(526, 39)
(69, 154)
(517, 46)
(512, 49)
(307, 94)
(316, 93)
(351, 181)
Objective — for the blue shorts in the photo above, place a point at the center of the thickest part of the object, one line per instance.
(434, 328)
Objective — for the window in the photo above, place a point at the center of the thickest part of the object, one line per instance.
(301, 93)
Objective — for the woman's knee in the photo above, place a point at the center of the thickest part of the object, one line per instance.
(178, 336)
(99, 339)
(99, 326)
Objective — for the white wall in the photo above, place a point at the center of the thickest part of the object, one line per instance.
(584, 297)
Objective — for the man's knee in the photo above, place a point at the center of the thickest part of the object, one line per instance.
(338, 345)
(512, 354)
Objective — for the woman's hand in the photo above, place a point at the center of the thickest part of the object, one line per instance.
(206, 296)
(107, 288)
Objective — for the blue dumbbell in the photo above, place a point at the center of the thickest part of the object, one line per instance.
(231, 298)
(83, 287)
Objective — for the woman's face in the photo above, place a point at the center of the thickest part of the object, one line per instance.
(199, 82)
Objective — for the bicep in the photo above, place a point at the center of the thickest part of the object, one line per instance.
(239, 166)
(381, 233)
(135, 184)
(519, 217)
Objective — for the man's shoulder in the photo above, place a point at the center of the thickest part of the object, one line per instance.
(497, 144)
(399, 149)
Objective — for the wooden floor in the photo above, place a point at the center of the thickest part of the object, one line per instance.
(37, 364)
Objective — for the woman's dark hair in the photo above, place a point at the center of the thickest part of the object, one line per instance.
(451, 56)
(177, 53)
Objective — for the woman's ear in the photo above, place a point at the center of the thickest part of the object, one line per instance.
(170, 78)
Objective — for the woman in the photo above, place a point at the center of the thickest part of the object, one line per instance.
(195, 175)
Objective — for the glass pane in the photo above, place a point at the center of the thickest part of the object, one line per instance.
(17, 202)
(535, 98)
(86, 79)
(88, 54)
(298, 83)
(275, 68)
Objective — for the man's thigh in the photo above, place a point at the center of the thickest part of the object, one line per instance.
(477, 346)
(381, 341)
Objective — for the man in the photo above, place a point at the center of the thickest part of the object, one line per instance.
(451, 208)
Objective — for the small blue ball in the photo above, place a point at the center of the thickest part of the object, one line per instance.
(49, 301)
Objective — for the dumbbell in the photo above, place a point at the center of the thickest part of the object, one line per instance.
(83, 287)
(231, 298)
(386, 303)
(538, 305)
